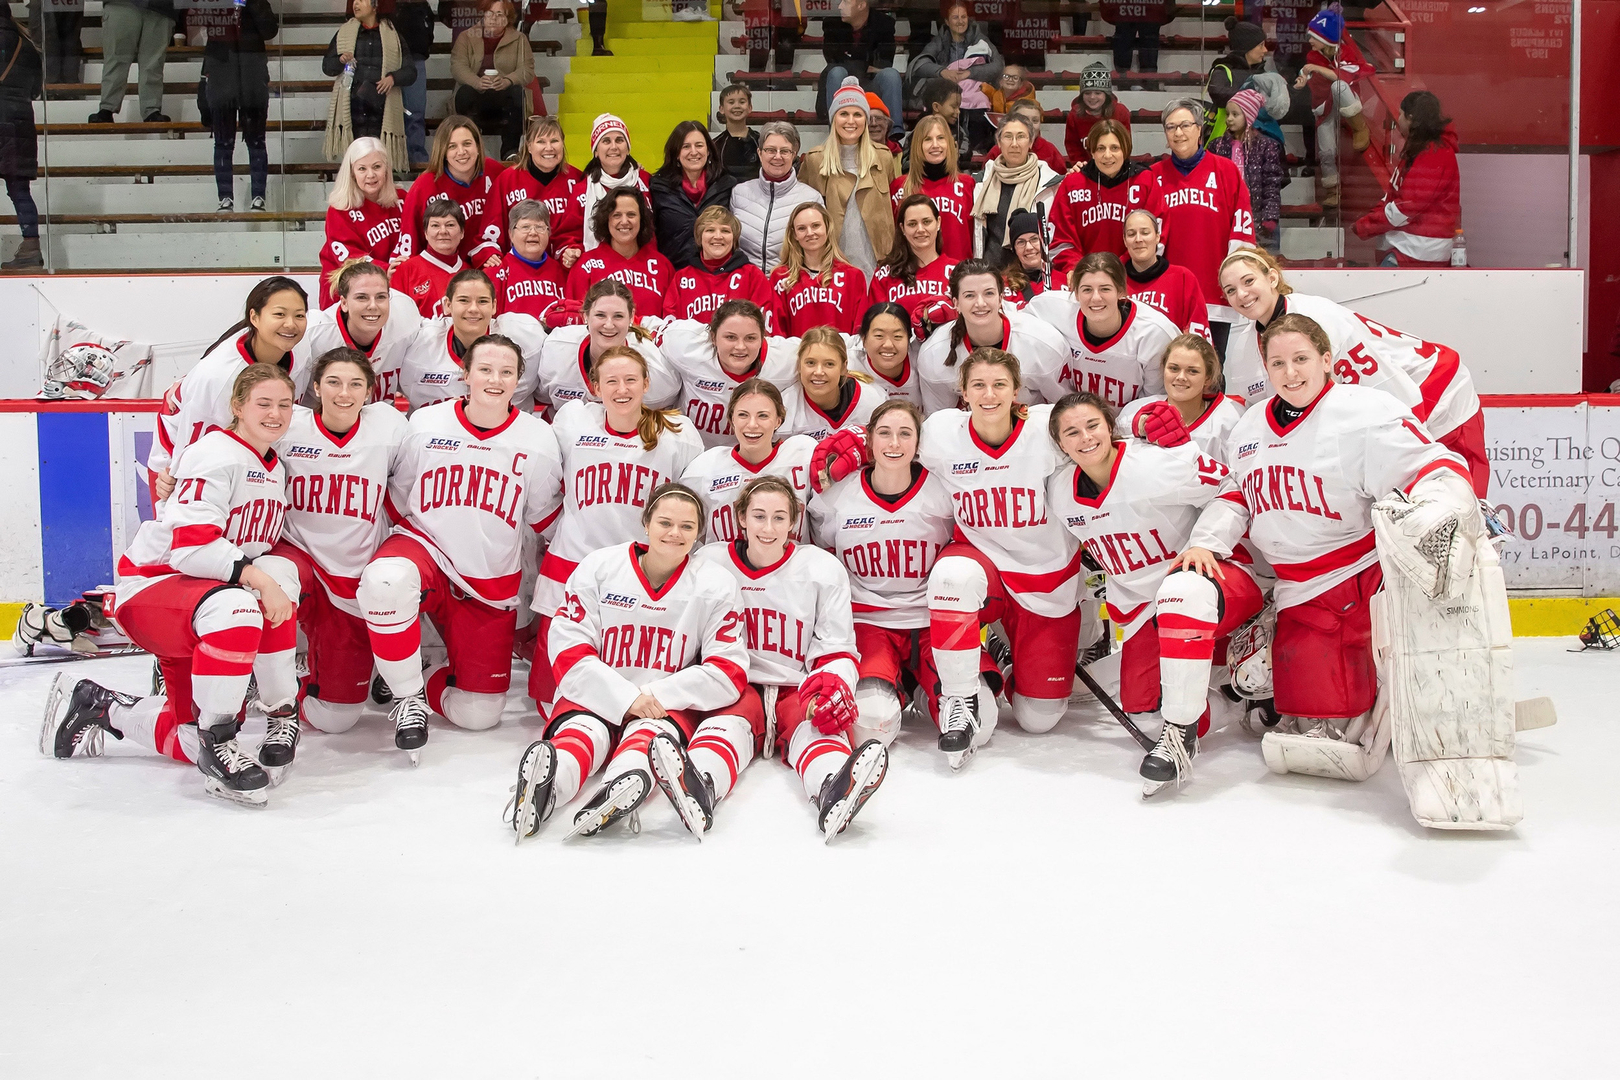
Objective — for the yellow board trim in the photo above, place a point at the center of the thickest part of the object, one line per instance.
(1555, 616)
(9, 614)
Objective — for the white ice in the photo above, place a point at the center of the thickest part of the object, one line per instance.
(1028, 917)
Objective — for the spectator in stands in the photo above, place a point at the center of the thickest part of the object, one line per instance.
(493, 69)
(690, 181)
(860, 45)
(1256, 148)
(543, 174)
(721, 271)
(413, 21)
(371, 68)
(1016, 180)
(362, 215)
(599, 13)
(1418, 222)
(236, 75)
(1245, 57)
(934, 173)
(1332, 68)
(854, 177)
(139, 31)
(1094, 102)
(736, 146)
(58, 36)
(1089, 208)
(425, 276)
(764, 204)
(879, 125)
(943, 98)
(947, 57)
(1136, 26)
(611, 166)
(1025, 276)
(21, 81)
(1014, 85)
(1044, 148)
(459, 171)
(628, 253)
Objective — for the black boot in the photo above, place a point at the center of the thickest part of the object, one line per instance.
(77, 717)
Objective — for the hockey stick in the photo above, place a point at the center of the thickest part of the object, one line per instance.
(1113, 707)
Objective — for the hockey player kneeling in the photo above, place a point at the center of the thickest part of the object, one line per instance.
(1411, 576)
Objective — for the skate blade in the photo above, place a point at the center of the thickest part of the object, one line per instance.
(667, 770)
(276, 773)
(1151, 788)
(527, 821)
(622, 800)
(258, 799)
(53, 705)
(867, 773)
(957, 759)
(415, 756)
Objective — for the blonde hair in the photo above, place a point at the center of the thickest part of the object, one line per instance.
(537, 126)
(346, 194)
(792, 258)
(1262, 261)
(653, 422)
(832, 161)
(252, 376)
(345, 274)
(717, 215)
(829, 338)
(914, 178)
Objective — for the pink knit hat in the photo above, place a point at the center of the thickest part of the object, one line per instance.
(603, 124)
(849, 96)
(1249, 103)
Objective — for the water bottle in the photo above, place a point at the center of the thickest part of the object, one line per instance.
(1459, 254)
(346, 80)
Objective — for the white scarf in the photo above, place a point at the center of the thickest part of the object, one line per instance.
(596, 190)
(1026, 182)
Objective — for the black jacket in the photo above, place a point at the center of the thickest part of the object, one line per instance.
(234, 61)
(674, 216)
(19, 147)
(413, 19)
(848, 48)
(368, 60)
(739, 156)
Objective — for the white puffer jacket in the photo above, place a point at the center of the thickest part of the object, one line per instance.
(763, 207)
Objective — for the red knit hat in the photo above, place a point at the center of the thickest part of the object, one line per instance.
(877, 103)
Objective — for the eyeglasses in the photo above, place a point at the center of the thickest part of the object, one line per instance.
(776, 151)
(1185, 125)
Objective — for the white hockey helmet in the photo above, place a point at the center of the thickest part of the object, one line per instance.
(82, 371)
(1248, 654)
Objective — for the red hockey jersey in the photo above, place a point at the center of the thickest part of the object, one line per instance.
(529, 288)
(955, 201)
(424, 277)
(1088, 213)
(1206, 214)
(477, 201)
(561, 197)
(699, 291)
(647, 274)
(371, 232)
(838, 302)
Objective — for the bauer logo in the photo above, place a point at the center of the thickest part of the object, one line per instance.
(448, 446)
(618, 600)
(964, 468)
(306, 452)
(859, 522)
(1247, 449)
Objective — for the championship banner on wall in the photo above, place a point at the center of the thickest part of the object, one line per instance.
(1555, 479)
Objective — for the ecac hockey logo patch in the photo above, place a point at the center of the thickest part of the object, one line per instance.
(445, 445)
(710, 385)
(724, 483)
(592, 440)
(437, 378)
(1247, 449)
(619, 601)
(859, 523)
(307, 452)
(964, 468)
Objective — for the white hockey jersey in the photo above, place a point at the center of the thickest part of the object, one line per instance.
(431, 373)
(1137, 525)
(1042, 361)
(335, 491)
(327, 330)
(887, 548)
(999, 494)
(1211, 431)
(201, 399)
(615, 636)
(1306, 490)
(719, 473)
(565, 365)
(228, 505)
(466, 494)
(1357, 359)
(1449, 397)
(908, 387)
(707, 387)
(805, 417)
(796, 614)
(1121, 369)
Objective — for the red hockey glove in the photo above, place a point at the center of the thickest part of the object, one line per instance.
(1159, 423)
(828, 704)
(836, 456)
(565, 313)
(929, 315)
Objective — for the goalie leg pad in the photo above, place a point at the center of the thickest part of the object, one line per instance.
(1351, 758)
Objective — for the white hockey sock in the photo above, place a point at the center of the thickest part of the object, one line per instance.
(957, 588)
(815, 756)
(390, 595)
(632, 751)
(878, 708)
(722, 747)
(1188, 613)
(277, 676)
(470, 711)
(581, 744)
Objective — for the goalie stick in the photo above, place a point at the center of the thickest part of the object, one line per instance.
(1113, 707)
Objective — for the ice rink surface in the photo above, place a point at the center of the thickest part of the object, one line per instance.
(1029, 917)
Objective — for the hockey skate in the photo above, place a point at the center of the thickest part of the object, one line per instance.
(532, 796)
(160, 686)
(619, 798)
(380, 691)
(76, 717)
(1170, 760)
(846, 791)
(229, 773)
(1259, 716)
(280, 741)
(678, 778)
(410, 720)
(958, 728)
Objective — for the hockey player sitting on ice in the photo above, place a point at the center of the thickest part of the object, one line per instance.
(1191, 374)
(1154, 280)
(530, 278)
(1115, 343)
(712, 360)
(629, 255)
(1012, 563)
(468, 477)
(1134, 504)
(614, 453)
(813, 285)
(199, 590)
(826, 397)
(979, 317)
(802, 655)
(434, 361)
(581, 331)
(272, 326)
(1307, 468)
(336, 458)
(755, 414)
(915, 270)
(722, 273)
(650, 658)
(1425, 376)
(423, 276)
(886, 351)
(887, 524)
(368, 317)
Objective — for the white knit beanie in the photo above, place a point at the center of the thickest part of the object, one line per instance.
(849, 96)
(603, 124)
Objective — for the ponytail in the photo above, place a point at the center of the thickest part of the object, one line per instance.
(257, 300)
(653, 422)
